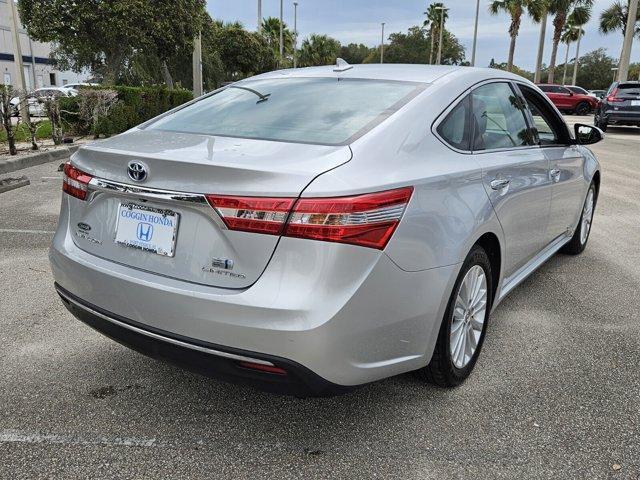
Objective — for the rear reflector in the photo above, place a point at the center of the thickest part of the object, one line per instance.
(75, 181)
(367, 220)
(263, 368)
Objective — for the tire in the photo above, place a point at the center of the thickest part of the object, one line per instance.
(443, 370)
(583, 108)
(578, 242)
(598, 122)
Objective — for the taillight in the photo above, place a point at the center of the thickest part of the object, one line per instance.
(367, 220)
(612, 98)
(75, 181)
(252, 214)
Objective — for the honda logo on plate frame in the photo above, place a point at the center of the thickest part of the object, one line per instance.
(144, 232)
(137, 171)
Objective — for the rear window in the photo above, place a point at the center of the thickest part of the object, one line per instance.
(325, 111)
(629, 88)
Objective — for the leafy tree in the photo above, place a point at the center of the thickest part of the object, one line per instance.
(615, 18)
(578, 10)
(319, 50)
(104, 36)
(516, 9)
(241, 52)
(410, 47)
(595, 70)
(354, 52)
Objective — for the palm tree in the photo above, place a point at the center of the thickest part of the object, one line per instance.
(319, 50)
(541, 18)
(271, 33)
(615, 18)
(580, 10)
(515, 9)
(432, 21)
(570, 34)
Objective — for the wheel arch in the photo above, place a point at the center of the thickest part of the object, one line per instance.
(490, 242)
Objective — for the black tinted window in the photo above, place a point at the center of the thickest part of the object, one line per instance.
(454, 129)
(498, 118)
(545, 88)
(629, 88)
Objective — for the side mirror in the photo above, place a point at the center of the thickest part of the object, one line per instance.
(587, 134)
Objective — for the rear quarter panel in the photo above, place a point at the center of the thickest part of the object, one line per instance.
(449, 209)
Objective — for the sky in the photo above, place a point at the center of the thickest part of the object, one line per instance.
(358, 21)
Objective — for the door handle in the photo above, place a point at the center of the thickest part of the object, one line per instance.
(555, 174)
(500, 183)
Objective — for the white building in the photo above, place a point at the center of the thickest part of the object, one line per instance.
(39, 70)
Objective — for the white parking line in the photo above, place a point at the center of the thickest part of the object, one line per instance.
(37, 232)
(17, 436)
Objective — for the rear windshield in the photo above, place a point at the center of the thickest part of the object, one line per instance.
(325, 111)
(629, 88)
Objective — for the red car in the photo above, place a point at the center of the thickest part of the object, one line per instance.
(568, 101)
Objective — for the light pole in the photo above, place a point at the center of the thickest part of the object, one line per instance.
(382, 44)
(615, 72)
(623, 72)
(442, 11)
(17, 58)
(295, 34)
(281, 34)
(577, 60)
(543, 31)
(475, 35)
(259, 16)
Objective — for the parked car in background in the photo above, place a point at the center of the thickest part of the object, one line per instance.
(599, 94)
(579, 90)
(79, 85)
(621, 106)
(36, 99)
(310, 230)
(568, 101)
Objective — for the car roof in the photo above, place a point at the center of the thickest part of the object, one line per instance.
(395, 71)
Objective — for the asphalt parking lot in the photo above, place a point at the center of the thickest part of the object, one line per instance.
(555, 394)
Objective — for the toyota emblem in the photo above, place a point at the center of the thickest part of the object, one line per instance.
(137, 171)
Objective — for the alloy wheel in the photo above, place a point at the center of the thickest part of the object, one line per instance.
(587, 217)
(469, 315)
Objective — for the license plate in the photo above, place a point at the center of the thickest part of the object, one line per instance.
(635, 103)
(149, 229)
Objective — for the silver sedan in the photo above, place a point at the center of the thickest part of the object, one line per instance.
(310, 230)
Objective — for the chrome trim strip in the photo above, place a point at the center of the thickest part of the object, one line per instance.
(194, 200)
(156, 336)
(536, 262)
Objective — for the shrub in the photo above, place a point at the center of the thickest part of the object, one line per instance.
(135, 105)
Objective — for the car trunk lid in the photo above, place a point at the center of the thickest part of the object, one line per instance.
(120, 216)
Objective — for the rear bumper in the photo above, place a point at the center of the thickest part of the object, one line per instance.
(207, 359)
(348, 314)
(622, 118)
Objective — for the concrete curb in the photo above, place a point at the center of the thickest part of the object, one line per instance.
(37, 158)
(13, 183)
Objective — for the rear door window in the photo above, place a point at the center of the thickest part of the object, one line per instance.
(498, 118)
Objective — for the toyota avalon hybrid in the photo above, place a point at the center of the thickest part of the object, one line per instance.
(310, 230)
